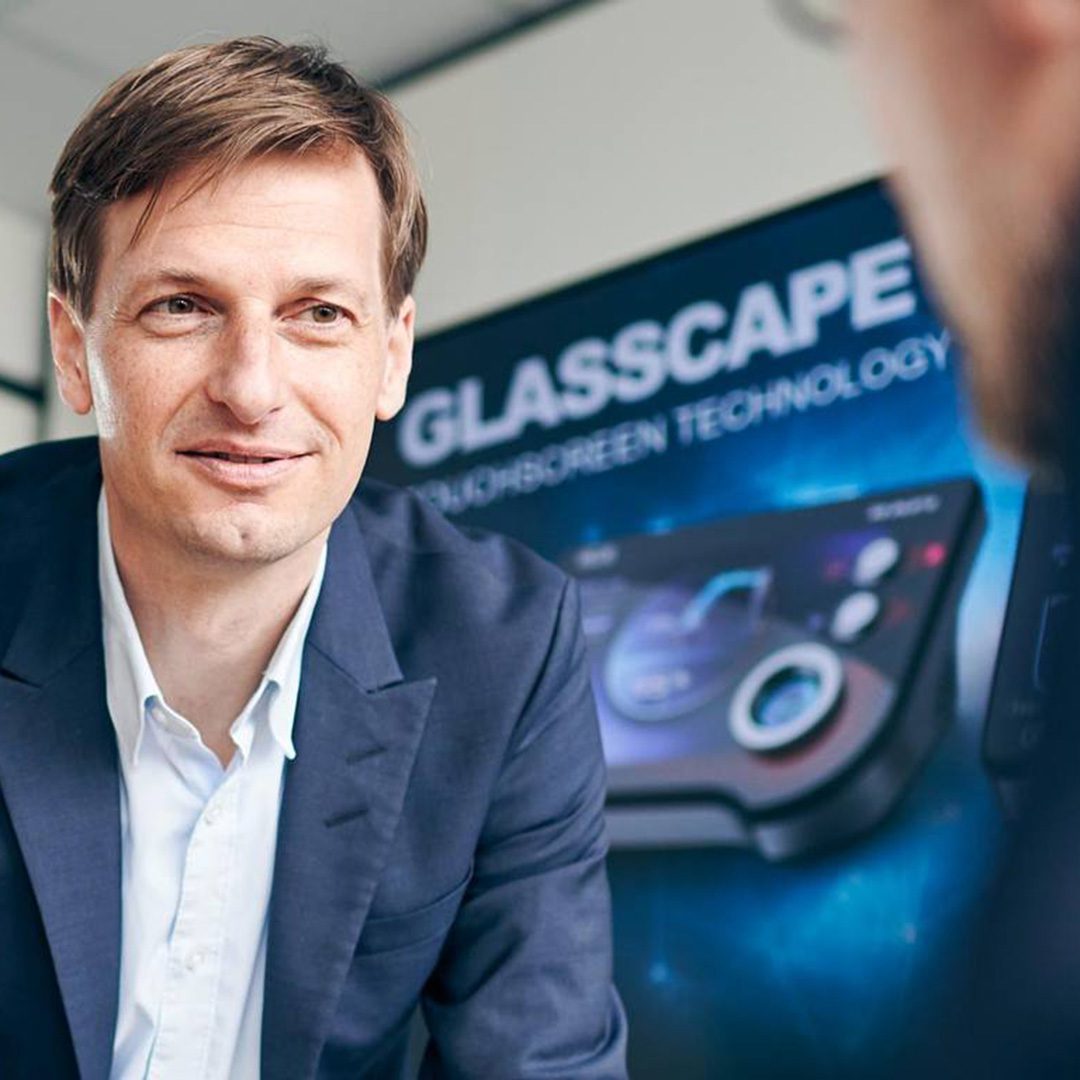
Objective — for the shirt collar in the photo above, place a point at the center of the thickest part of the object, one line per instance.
(282, 675)
(131, 688)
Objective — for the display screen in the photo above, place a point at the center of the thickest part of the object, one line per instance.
(794, 556)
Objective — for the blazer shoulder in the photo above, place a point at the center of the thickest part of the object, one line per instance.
(27, 475)
(40, 488)
(399, 522)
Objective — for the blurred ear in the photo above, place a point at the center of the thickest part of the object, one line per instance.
(1039, 23)
(399, 349)
(68, 339)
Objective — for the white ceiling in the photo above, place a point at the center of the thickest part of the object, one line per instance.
(57, 55)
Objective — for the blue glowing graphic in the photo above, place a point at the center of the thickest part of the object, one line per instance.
(754, 582)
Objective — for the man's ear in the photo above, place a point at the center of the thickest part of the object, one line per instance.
(1039, 24)
(68, 339)
(399, 349)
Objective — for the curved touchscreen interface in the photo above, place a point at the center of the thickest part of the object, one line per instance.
(774, 681)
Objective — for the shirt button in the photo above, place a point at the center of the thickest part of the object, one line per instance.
(194, 959)
(213, 812)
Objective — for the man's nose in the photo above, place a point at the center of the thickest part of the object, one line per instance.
(246, 376)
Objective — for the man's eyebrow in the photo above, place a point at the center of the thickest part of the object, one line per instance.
(167, 275)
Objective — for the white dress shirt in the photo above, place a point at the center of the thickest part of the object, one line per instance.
(197, 855)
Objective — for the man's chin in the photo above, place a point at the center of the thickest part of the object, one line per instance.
(242, 537)
(1020, 442)
(1024, 375)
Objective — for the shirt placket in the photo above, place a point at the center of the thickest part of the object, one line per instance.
(193, 970)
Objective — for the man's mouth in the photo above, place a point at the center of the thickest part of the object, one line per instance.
(245, 467)
(241, 459)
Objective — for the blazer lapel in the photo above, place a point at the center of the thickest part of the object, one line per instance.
(358, 727)
(60, 780)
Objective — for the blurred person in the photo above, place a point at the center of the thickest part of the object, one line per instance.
(280, 756)
(977, 100)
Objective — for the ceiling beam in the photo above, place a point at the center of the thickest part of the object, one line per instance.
(491, 39)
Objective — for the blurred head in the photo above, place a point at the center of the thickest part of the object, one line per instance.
(978, 100)
(236, 232)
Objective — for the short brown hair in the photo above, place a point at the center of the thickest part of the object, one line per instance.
(218, 106)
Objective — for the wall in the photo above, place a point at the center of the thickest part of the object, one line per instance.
(22, 273)
(618, 131)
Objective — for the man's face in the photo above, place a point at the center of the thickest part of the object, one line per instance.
(237, 356)
(972, 96)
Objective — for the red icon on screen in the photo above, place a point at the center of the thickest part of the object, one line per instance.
(933, 555)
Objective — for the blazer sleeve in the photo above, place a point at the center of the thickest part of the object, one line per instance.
(524, 986)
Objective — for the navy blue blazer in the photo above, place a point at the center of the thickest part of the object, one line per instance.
(441, 836)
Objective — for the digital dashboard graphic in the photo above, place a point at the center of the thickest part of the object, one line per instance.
(774, 681)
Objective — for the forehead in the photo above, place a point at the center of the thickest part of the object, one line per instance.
(307, 214)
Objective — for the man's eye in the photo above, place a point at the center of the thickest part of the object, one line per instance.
(177, 305)
(325, 313)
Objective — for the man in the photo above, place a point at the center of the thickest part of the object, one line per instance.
(277, 760)
(973, 96)
(979, 99)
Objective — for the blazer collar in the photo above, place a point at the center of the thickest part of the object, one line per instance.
(59, 770)
(348, 627)
(358, 729)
